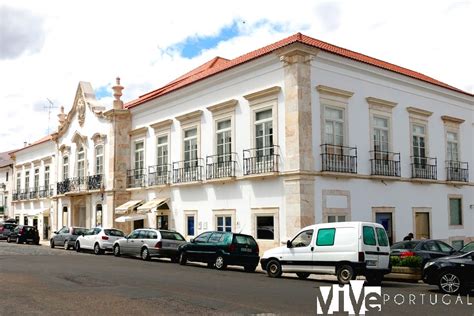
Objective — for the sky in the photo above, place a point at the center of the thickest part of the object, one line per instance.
(47, 47)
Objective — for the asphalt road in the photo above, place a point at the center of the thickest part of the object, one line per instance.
(37, 280)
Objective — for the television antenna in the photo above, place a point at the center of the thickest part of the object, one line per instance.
(50, 107)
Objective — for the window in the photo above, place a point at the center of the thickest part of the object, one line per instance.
(333, 126)
(431, 246)
(98, 215)
(455, 211)
(224, 223)
(46, 177)
(27, 181)
(303, 239)
(326, 237)
(444, 247)
(224, 140)
(381, 134)
(190, 148)
(452, 146)
(203, 237)
(25, 220)
(369, 236)
(99, 160)
(190, 225)
(264, 133)
(134, 234)
(382, 237)
(265, 227)
(216, 237)
(334, 218)
(6, 177)
(162, 153)
(80, 162)
(458, 244)
(139, 155)
(36, 183)
(65, 167)
(419, 149)
(152, 235)
(18, 182)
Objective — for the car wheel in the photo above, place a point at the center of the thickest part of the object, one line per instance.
(449, 282)
(18, 240)
(174, 259)
(78, 246)
(345, 273)
(145, 254)
(9, 239)
(66, 245)
(97, 249)
(117, 250)
(51, 243)
(374, 278)
(274, 269)
(220, 263)
(250, 268)
(183, 258)
(302, 275)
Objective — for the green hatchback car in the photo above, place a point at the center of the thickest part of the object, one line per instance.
(220, 249)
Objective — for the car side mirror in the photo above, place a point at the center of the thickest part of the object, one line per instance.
(192, 240)
(288, 244)
(55, 232)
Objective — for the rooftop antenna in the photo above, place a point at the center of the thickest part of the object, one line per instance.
(50, 106)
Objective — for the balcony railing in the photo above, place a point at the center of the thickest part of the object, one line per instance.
(44, 192)
(261, 160)
(15, 196)
(337, 158)
(221, 166)
(159, 174)
(457, 171)
(188, 170)
(136, 178)
(63, 186)
(424, 167)
(23, 195)
(79, 184)
(95, 182)
(33, 193)
(384, 163)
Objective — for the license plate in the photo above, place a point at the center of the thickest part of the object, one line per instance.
(245, 249)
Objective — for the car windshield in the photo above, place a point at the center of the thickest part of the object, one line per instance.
(79, 231)
(171, 235)
(405, 245)
(114, 232)
(467, 248)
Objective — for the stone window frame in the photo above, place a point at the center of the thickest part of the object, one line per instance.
(138, 135)
(386, 209)
(419, 117)
(452, 125)
(162, 128)
(62, 166)
(221, 112)
(266, 211)
(421, 209)
(383, 109)
(260, 101)
(338, 99)
(460, 197)
(186, 214)
(225, 212)
(103, 159)
(187, 122)
(328, 211)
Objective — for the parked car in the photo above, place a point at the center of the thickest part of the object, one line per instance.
(24, 234)
(452, 274)
(346, 249)
(66, 237)
(220, 249)
(98, 239)
(148, 243)
(426, 249)
(6, 229)
(467, 248)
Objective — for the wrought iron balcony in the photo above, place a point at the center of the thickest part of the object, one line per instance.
(78, 184)
(384, 163)
(457, 171)
(159, 174)
(95, 182)
(188, 170)
(24, 195)
(261, 160)
(63, 186)
(44, 192)
(15, 196)
(337, 158)
(136, 178)
(424, 167)
(221, 166)
(33, 193)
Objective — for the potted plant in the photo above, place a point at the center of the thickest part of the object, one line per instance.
(405, 269)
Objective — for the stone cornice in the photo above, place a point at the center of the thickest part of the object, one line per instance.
(78, 138)
(190, 117)
(334, 92)
(296, 53)
(420, 112)
(108, 114)
(263, 93)
(377, 103)
(138, 131)
(162, 124)
(451, 119)
(226, 106)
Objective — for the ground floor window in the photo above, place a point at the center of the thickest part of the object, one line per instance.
(265, 227)
(17, 219)
(25, 220)
(224, 223)
(336, 218)
(162, 221)
(190, 224)
(65, 216)
(138, 224)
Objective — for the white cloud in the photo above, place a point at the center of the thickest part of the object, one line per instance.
(97, 40)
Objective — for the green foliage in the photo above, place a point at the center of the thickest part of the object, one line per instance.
(412, 262)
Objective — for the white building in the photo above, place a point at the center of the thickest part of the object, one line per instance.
(6, 170)
(291, 134)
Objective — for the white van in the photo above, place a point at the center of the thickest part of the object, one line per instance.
(346, 249)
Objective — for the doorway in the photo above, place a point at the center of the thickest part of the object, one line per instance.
(162, 221)
(385, 219)
(138, 224)
(65, 216)
(46, 227)
(422, 225)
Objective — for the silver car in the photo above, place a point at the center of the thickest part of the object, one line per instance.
(148, 243)
(66, 237)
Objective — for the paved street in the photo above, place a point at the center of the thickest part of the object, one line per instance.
(37, 280)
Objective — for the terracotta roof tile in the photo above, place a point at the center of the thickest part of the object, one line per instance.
(218, 65)
(39, 141)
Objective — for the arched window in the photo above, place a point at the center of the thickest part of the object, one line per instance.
(80, 162)
(99, 160)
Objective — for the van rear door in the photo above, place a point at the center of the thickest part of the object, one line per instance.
(370, 247)
(383, 248)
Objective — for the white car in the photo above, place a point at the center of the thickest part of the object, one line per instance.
(346, 249)
(98, 239)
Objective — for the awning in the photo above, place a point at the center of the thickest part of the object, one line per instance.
(124, 208)
(145, 208)
(130, 218)
(38, 212)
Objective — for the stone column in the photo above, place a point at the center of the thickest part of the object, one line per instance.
(299, 187)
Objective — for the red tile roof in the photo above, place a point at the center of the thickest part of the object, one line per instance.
(219, 64)
(39, 141)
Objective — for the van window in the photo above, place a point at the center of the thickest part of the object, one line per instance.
(325, 237)
(369, 236)
(303, 239)
(382, 237)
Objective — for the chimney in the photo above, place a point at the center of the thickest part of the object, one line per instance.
(61, 117)
(118, 104)
(24, 144)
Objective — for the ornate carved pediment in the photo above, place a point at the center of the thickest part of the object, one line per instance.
(98, 138)
(64, 149)
(79, 139)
